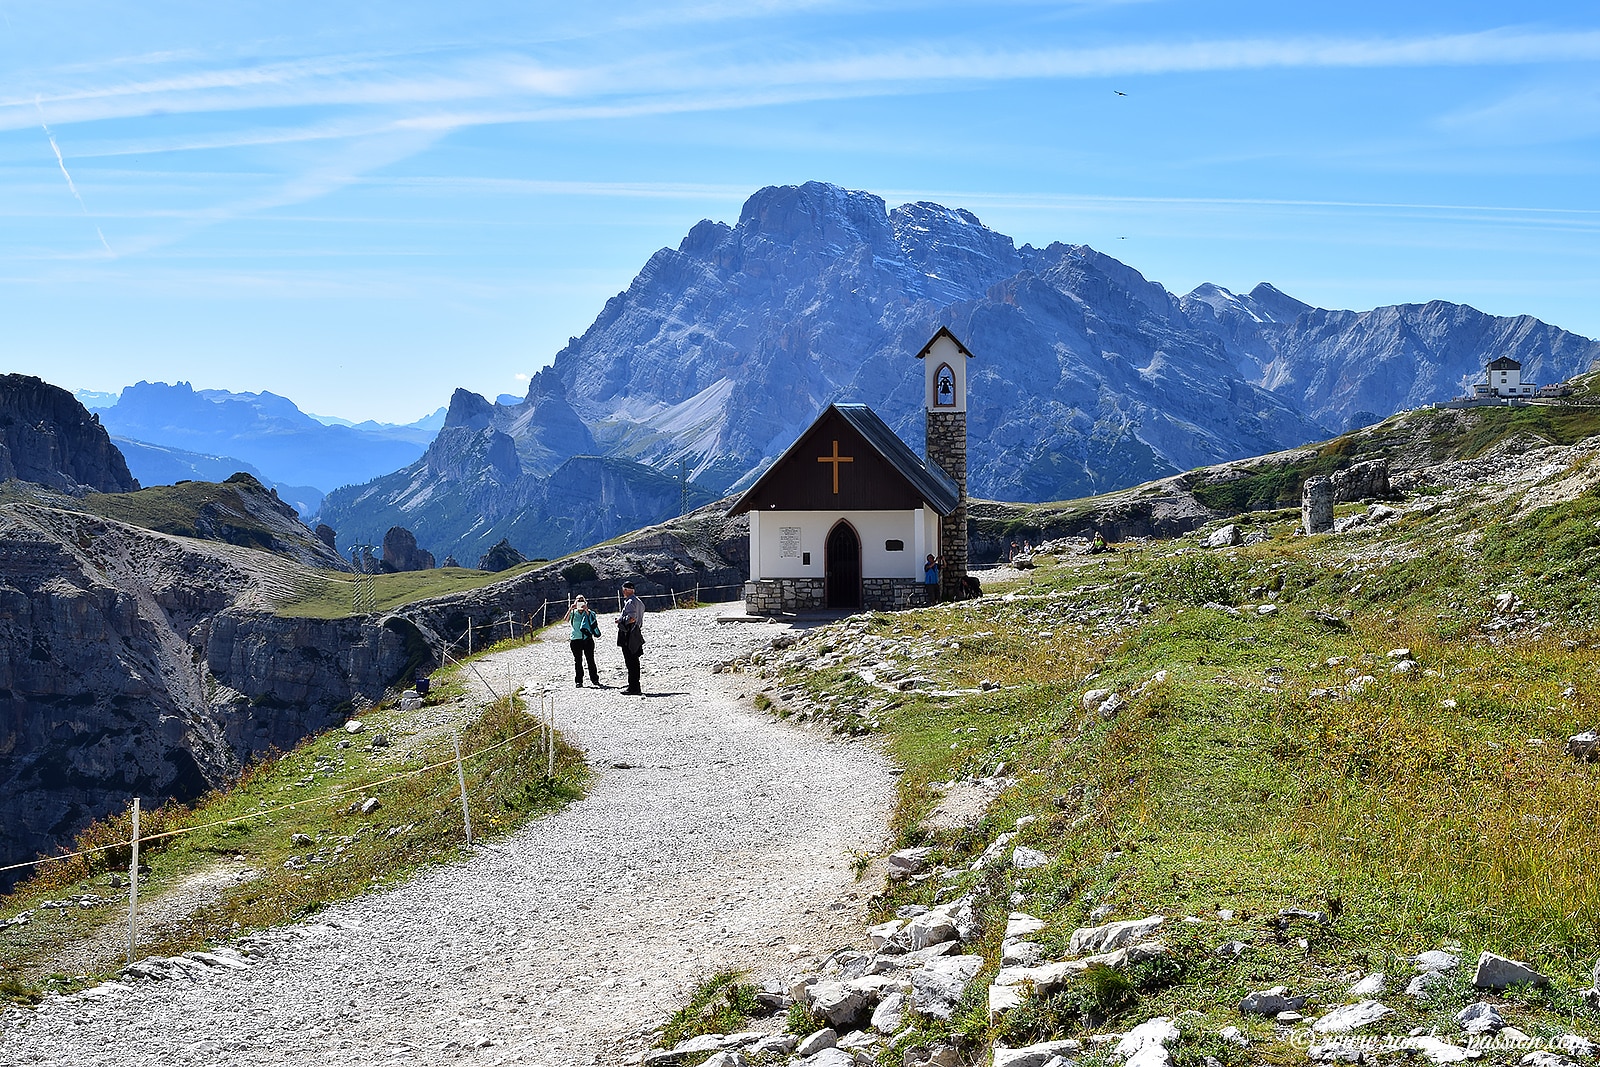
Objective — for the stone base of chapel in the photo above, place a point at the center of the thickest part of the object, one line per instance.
(777, 596)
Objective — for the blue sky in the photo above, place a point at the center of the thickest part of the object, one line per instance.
(362, 206)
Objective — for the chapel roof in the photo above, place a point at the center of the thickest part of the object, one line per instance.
(920, 480)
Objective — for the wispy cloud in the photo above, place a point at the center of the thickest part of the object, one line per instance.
(451, 89)
(62, 163)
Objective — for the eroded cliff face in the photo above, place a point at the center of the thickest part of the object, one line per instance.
(48, 438)
(134, 663)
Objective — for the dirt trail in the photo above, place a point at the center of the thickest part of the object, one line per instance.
(713, 837)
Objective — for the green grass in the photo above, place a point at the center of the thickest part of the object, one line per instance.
(721, 1004)
(341, 853)
(175, 509)
(328, 594)
(1431, 807)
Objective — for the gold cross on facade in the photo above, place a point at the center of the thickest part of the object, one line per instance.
(836, 459)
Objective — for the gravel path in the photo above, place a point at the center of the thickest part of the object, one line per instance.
(713, 836)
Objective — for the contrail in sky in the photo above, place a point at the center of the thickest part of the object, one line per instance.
(63, 165)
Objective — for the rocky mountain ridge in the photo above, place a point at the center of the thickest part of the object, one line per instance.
(1088, 377)
(47, 438)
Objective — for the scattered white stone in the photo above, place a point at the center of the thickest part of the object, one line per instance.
(1405, 666)
(1498, 972)
(816, 1041)
(1352, 1017)
(1437, 960)
(1585, 746)
(1234, 1036)
(1232, 949)
(1335, 1052)
(890, 1014)
(937, 987)
(1095, 697)
(1026, 859)
(838, 1005)
(1271, 1001)
(1267, 609)
(1033, 1055)
(1545, 1059)
(1577, 1045)
(1146, 1044)
(354, 726)
(906, 862)
(1399, 653)
(1226, 537)
(1112, 935)
(1370, 986)
(1479, 1019)
(1435, 1050)
(1425, 983)
(370, 805)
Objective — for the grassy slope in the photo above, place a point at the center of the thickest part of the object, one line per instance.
(1251, 779)
(418, 823)
(328, 594)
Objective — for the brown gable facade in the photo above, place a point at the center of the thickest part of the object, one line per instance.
(832, 467)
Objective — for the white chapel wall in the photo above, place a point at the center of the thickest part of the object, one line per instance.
(780, 533)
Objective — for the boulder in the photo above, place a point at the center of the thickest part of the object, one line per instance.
(1361, 481)
(1586, 746)
(1026, 859)
(1498, 972)
(400, 552)
(1353, 1017)
(1112, 935)
(840, 1006)
(938, 986)
(890, 1014)
(1146, 1044)
(1034, 1055)
(1436, 1050)
(1480, 1019)
(815, 1042)
(1271, 1001)
(907, 862)
(502, 557)
(1316, 504)
(1226, 537)
(1370, 986)
(1437, 960)
(829, 1057)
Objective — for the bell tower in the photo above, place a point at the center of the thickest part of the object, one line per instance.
(945, 402)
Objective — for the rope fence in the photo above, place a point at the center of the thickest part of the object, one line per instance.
(544, 724)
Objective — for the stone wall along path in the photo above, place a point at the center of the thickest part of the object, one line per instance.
(713, 837)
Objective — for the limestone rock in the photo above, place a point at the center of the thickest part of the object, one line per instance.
(1353, 1017)
(1362, 481)
(1271, 1001)
(1585, 746)
(1225, 537)
(1024, 859)
(907, 862)
(1479, 1019)
(890, 1014)
(502, 557)
(400, 552)
(47, 437)
(1112, 935)
(1435, 1050)
(1498, 972)
(837, 1004)
(1034, 1055)
(938, 986)
(1437, 960)
(1316, 504)
(1146, 1044)
(1370, 986)
(815, 1042)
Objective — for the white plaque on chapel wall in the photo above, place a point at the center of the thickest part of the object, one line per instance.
(789, 542)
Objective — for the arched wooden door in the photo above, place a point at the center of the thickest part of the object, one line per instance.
(843, 567)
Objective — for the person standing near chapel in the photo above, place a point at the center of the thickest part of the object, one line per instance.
(585, 628)
(930, 579)
(630, 637)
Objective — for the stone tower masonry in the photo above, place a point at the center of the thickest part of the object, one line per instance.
(945, 363)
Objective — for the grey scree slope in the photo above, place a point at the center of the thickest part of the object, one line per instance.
(724, 842)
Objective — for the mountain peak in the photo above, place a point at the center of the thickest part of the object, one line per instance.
(469, 411)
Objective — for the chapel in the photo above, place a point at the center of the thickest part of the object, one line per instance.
(845, 518)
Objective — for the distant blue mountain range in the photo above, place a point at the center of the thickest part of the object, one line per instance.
(171, 432)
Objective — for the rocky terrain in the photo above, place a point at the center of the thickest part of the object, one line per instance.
(714, 837)
(1088, 376)
(47, 438)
